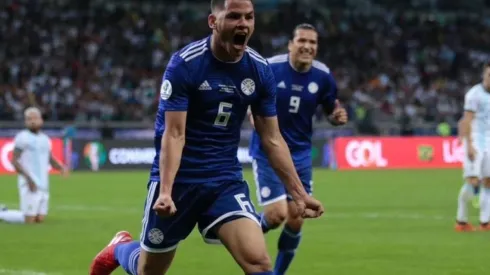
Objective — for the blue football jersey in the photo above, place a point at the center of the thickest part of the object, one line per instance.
(298, 96)
(216, 96)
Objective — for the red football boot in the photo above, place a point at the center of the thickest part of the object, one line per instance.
(105, 262)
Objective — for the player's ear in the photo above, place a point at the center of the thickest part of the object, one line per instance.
(290, 46)
(212, 21)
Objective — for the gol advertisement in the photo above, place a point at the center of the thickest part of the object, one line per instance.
(398, 153)
(7, 150)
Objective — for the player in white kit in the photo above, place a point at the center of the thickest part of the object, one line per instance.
(475, 132)
(32, 160)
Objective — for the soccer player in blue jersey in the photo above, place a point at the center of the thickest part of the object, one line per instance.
(196, 177)
(302, 84)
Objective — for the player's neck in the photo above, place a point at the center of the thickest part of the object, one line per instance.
(299, 66)
(34, 131)
(487, 89)
(220, 53)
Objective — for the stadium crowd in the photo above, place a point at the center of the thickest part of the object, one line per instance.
(100, 61)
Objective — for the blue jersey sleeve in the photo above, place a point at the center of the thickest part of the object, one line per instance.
(174, 91)
(329, 94)
(266, 104)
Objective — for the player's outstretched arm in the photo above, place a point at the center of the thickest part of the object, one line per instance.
(54, 162)
(280, 159)
(173, 142)
(464, 127)
(278, 153)
(20, 143)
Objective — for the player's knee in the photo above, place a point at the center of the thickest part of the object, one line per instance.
(295, 224)
(30, 219)
(40, 219)
(486, 182)
(276, 214)
(473, 180)
(256, 263)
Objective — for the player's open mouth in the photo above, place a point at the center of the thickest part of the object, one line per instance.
(239, 39)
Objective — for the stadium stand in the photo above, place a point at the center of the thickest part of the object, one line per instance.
(407, 63)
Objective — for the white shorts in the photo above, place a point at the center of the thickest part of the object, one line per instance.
(479, 167)
(33, 203)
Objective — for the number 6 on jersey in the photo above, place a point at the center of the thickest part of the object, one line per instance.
(224, 113)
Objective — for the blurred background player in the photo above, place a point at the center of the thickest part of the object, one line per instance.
(475, 201)
(475, 132)
(302, 84)
(32, 159)
(196, 177)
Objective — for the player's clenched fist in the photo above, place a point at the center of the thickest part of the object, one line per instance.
(314, 208)
(164, 206)
(307, 207)
(339, 114)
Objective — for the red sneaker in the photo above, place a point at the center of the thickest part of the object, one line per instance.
(485, 227)
(105, 262)
(464, 227)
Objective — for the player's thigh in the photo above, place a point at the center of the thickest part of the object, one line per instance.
(472, 169)
(228, 201)
(43, 207)
(231, 219)
(161, 236)
(245, 242)
(269, 187)
(485, 173)
(29, 201)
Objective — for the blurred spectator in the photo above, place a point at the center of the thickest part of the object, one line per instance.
(103, 60)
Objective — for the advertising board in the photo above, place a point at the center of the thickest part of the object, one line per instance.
(398, 152)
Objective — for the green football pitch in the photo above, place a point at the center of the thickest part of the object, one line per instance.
(377, 222)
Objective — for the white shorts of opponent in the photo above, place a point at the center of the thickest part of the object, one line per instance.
(33, 203)
(479, 167)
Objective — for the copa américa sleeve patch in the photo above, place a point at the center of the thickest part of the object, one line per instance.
(166, 90)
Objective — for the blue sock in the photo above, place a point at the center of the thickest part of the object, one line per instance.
(263, 273)
(287, 245)
(127, 255)
(263, 223)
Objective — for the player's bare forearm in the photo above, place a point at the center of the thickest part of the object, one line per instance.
(55, 163)
(173, 142)
(278, 154)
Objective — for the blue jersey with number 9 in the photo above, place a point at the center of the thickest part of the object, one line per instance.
(216, 96)
(298, 96)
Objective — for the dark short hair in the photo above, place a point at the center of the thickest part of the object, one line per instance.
(486, 65)
(302, 26)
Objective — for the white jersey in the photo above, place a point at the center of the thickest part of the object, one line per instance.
(36, 152)
(477, 100)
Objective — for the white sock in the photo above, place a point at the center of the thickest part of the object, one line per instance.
(465, 195)
(12, 216)
(485, 205)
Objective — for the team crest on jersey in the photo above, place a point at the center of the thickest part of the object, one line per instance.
(165, 90)
(265, 192)
(155, 236)
(313, 88)
(248, 86)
